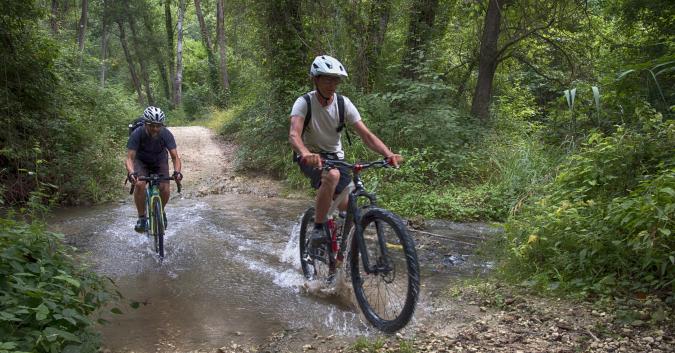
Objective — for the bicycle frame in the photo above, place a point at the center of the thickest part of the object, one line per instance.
(354, 190)
(152, 196)
(152, 193)
(386, 295)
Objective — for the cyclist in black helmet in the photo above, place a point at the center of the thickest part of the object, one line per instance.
(319, 138)
(146, 154)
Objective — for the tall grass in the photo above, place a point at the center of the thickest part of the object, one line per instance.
(604, 223)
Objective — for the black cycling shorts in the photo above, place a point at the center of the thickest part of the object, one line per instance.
(144, 169)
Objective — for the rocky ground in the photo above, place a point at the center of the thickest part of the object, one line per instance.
(476, 316)
(495, 319)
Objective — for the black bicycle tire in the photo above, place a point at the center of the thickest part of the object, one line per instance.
(307, 218)
(159, 221)
(316, 270)
(412, 293)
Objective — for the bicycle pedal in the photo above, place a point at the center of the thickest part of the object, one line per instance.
(309, 259)
(319, 254)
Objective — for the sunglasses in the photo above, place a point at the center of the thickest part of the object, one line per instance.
(330, 79)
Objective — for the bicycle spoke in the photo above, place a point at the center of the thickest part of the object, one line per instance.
(315, 266)
(388, 294)
(381, 258)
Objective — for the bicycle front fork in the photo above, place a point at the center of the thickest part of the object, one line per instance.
(382, 264)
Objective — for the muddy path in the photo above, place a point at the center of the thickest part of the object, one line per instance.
(231, 280)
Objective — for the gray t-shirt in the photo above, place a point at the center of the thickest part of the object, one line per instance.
(321, 134)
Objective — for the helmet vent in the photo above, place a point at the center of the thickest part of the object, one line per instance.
(327, 65)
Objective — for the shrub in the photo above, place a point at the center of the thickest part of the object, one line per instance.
(58, 119)
(604, 222)
(47, 300)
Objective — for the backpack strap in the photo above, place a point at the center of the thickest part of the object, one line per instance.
(341, 113)
(308, 116)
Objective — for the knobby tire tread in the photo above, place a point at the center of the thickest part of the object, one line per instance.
(307, 221)
(159, 222)
(412, 264)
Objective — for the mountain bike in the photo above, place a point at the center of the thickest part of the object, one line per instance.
(386, 280)
(156, 225)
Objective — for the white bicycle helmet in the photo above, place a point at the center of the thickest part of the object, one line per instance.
(327, 65)
(153, 115)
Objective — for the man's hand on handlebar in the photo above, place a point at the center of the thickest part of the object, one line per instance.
(311, 159)
(132, 177)
(177, 176)
(395, 160)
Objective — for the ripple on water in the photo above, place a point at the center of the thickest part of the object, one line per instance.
(231, 265)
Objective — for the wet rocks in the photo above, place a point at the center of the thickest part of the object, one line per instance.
(536, 324)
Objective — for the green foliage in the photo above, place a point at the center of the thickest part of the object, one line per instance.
(648, 82)
(47, 300)
(263, 132)
(364, 345)
(196, 100)
(605, 221)
(475, 172)
(198, 93)
(56, 109)
(96, 131)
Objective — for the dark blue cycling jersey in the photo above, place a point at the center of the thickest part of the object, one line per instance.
(151, 151)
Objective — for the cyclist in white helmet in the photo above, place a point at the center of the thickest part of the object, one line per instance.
(146, 154)
(320, 138)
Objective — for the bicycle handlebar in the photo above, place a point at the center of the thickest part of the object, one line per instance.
(155, 178)
(357, 167)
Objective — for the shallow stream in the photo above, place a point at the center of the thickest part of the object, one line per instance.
(231, 272)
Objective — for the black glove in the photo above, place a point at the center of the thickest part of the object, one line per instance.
(177, 176)
(132, 177)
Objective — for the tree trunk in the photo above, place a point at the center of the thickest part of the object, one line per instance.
(220, 35)
(487, 62)
(169, 42)
(420, 30)
(104, 42)
(130, 64)
(377, 28)
(202, 25)
(54, 19)
(162, 73)
(161, 65)
(82, 27)
(287, 55)
(206, 40)
(178, 79)
(141, 55)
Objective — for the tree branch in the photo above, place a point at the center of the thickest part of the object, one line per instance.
(526, 34)
(560, 49)
(522, 60)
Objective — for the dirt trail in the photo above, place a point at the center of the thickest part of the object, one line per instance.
(209, 166)
(461, 318)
